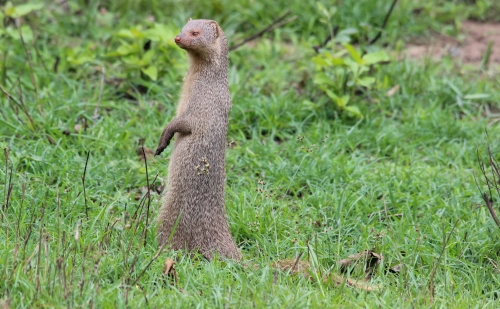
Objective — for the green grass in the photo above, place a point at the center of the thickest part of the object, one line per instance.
(302, 178)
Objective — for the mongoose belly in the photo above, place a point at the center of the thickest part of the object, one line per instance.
(195, 197)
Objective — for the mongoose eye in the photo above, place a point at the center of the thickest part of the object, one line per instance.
(195, 33)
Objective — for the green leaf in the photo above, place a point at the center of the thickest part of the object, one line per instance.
(337, 61)
(323, 9)
(354, 54)
(354, 111)
(321, 61)
(22, 9)
(332, 95)
(148, 56)
(353, 66)
(343, 101)
(323, 79)
(125, 33)
(132, 60)
(476, 96)
(366, 81)
(125, 49)
(151, 72)
(137, 33)
(25, 30)
(344, 36)
(375, 57)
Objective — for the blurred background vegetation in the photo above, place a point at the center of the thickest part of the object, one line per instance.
(331, 151)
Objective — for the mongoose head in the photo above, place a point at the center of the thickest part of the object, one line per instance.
(201, 37)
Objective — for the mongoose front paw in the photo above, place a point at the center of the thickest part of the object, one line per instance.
(165, 138)
(160, 149)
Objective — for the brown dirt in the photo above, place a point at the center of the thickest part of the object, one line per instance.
(470, 49)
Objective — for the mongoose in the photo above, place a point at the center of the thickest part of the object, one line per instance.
(196, 175)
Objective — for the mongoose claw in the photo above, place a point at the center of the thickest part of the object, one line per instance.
(158, 151)
(165, 138)
(161, 147)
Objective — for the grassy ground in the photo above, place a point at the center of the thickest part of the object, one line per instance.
(304, 176)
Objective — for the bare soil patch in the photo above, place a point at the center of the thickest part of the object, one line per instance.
(470, 49)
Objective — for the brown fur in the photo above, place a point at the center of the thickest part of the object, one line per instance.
(196, 175)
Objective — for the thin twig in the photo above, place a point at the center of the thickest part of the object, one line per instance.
(296, 261)
(494, 264)
(384, 23)
(22, 106)
(328, 39)
(275, 24)
(494, 171)
(486, 198)
(83, 183)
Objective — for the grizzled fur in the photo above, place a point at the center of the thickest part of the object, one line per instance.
(196, 177)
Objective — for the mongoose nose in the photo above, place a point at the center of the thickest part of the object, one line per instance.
(177, 39)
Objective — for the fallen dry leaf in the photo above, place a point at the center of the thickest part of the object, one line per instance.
(338, 280)
(372, 259)
(294, 266)
(169, 270)
(393, 91)
(396, 268)
(5, 304)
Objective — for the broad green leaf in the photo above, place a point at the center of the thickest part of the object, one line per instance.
(148, 56)
(343, 101)
(125, 33)
(332, 95)
(354, 111)
(137, 33)
(323, 9)
(338, 61)
(125, 49)
(9, 9)
(366, 81)
(354, 53)
(376, 57)
(132, 60)
(353, 66)
(22, 9)
(161, 32)
(323, 79)
(347, 31)
(344, 36)
(321, 61)
(25, 30)
(151, 72)
(310, 105)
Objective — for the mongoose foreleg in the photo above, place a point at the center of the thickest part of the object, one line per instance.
(178, 124)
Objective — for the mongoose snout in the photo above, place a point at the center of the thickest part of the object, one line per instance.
(193, 214)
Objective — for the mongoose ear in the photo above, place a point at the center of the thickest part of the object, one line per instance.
(216, 27)
(190, 19)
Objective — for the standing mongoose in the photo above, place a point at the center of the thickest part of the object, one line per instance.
(193, 205)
